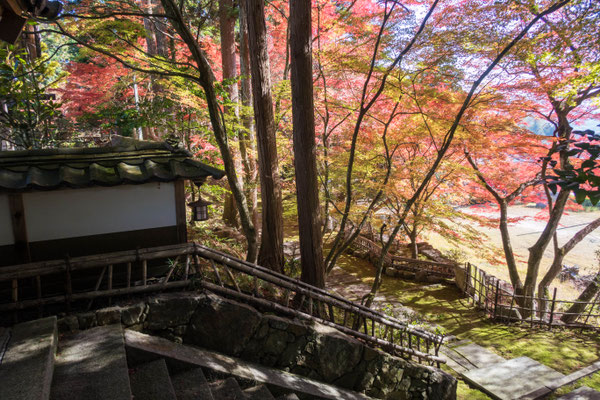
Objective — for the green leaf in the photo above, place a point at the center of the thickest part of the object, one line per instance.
(580, 195)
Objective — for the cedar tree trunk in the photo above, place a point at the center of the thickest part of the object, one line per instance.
(270, 254)
(229, 64)
(305, 161)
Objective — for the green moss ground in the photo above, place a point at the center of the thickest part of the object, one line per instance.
(564, 350)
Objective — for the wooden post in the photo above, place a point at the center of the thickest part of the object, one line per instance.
(481, 285)
(128, 274)
(512, 301)
(467, 272)
(532, 311)
(144, 272)
(68, 284)
(38, 290)
(110, 282)
(19, 227)
(187, 270)
(496, 300)
(590, 313)
(97, 286)
(180, 211)
(15, 297)
(487, 295)
(552, 309)
(216, 271)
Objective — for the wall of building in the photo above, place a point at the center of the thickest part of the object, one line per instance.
(60, 214)
(92, 220)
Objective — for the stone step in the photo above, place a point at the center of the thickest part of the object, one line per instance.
(512, 379)
(142, 346)
(4, 338)
(92, 365)
(259, 392)
(290, 396)
(226, 389)
(583, 393)
(28, 362)
(191, 385)
(478, 356)
(151, 381)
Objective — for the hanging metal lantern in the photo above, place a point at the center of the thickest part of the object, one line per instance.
(199, 209)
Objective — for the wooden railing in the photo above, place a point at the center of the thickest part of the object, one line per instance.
(75, 283)
(497, 299)
(441, 270)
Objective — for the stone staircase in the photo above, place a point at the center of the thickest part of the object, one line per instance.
(108, 363)
(517, 379)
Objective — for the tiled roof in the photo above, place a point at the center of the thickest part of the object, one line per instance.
(125, 161)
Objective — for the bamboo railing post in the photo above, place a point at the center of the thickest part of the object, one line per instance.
(97, 286)
(15, 297)
(38, 292)
(532, 311)
(110, 281)
(128, 274)
(187, 268)
(231, 277)
(68, 283)
(552, 309)
(214, 267)
(590, 313)
(467, 278)
(145, 272)
(331, 314)
(496, 299)
(197, 263)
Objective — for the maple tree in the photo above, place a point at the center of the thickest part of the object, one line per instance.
(556, 72)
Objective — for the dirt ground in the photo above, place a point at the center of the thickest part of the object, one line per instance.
(525, 232)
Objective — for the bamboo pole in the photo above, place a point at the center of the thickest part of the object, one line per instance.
(129, 274)
(68, 283)
(97, 286)
(92, 295)
(552, 309)
(144, 272)
(110, 281)
(496, 300)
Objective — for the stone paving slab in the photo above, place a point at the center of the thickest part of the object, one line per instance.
(583, 393)
(575, 376)
(152, 381)
(92, 365)
(512, 379)
(28, 364)
(479, 356)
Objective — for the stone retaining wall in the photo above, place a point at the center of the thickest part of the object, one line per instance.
(307, 349)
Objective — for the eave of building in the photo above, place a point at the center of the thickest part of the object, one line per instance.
(125, 161)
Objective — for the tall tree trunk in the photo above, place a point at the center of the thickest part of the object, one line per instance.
(270, 254)
(229, 64)
(247, 136)
(206, 80)
(537, 250)
(305, 159)
(556, 266)
(414, 248)
(579, 306)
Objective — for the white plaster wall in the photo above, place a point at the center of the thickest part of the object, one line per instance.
(60, 214)
(6, 233)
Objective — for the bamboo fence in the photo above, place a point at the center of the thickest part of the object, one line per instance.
(495, 297)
